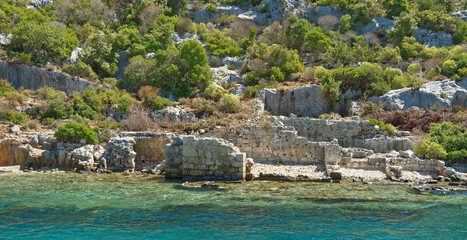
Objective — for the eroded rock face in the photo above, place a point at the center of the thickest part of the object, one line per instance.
(315, 13)
(445, 94)
(225, 75)
(120, 154)
(174, 114)
(30, 77)
(203, 15)
(460, 14)
(303, 102)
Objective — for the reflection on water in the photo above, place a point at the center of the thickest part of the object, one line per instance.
(70, 206)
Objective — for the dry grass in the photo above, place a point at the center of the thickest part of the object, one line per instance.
(148, 92)
(328, 21)
(138, 119)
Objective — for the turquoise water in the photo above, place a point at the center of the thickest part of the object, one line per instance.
(81, 206)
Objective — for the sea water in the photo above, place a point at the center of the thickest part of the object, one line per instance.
(87, 206)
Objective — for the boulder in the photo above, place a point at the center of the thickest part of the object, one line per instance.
(5, 39)
(445, 94)
(82, 157)
(75, 56)
(237, 63)
(225, 75)
(174, 114)
(377, 24)
(433, 39)
(178, 40)
(238, 90)
(15, 129)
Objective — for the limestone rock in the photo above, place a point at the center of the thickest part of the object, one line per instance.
(203, 15)
(178, 40)
(377, 24)
(433, 39)
(303, 102)
(460, 14)
(15, 129)
(317, 12)
(174, 114)
(37, 4)
(238, 90)
(120, 154)
(237, 63)
(225, 75)
(31, 77)
(82, 157)
(443, 94)
(5, 39)
(75, 56)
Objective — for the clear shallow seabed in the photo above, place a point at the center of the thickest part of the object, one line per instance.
(82, 206)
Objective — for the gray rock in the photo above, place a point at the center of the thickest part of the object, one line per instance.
(225, 75)
(37, 4)
(460, 14)
(204, 15)
(232, 61)
(15, 129)
(5, 39)
(239, 90)
(177, 39)
(189, 117)
(120, 154)
(443, 94)
(315, 13)
(174, 114)
(377, 24)
(75, 56)
(336, 175)
(433, 39)
(123, 62)
(303, 102)
(83, 157)
(30, 77)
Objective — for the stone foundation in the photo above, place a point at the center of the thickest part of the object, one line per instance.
(190, 158)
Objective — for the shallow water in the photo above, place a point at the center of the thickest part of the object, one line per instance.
(81, 206)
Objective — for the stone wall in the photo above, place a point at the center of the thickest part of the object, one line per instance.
(149, 147)
(191, 158)
(350, 133)
(31, 77)
(274, 141)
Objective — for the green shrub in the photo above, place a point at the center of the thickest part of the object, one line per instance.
(230, 103)
(202, 107)
(220, 45)
(25, 58)
(375, 122)
(56, 39)
(410, 48)
(395, 7)
(13, 116)
(5, 88)
(159, 103)
(452, 137)
(389, 129)
(73, 132)
(449, 68)
(263, 8)
(330, 88)
(211, 7)
(80, 69)
(214, 92)
(414, 68)
(430, 149)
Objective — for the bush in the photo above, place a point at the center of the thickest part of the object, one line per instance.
(330, 88)
(449, 68)
(73, 132)
(14, 117)
(56, 39)
(214, 92)
(414, 68)
(389, 129)
(202, 107)
(211, 7)
(159, 103)
(220, 45)
(410, 48)
(5, 88)
(452, 137)
(395, 7)
(430, 149)
(80, 69)
(138, 119)
(230, 103)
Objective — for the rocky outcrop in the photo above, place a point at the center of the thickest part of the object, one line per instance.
(433, 39)
(75, 56)
(318, 12)
(203, 15)
(192, 158)
(174, 114)
(225, 75)
(303, 102)
(460, 14)
(377, 24)
(444, 94)
(31, 77)
(37, 4)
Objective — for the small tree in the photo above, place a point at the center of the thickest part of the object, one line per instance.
(73, 132)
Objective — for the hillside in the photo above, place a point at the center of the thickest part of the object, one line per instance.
(199, 66)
